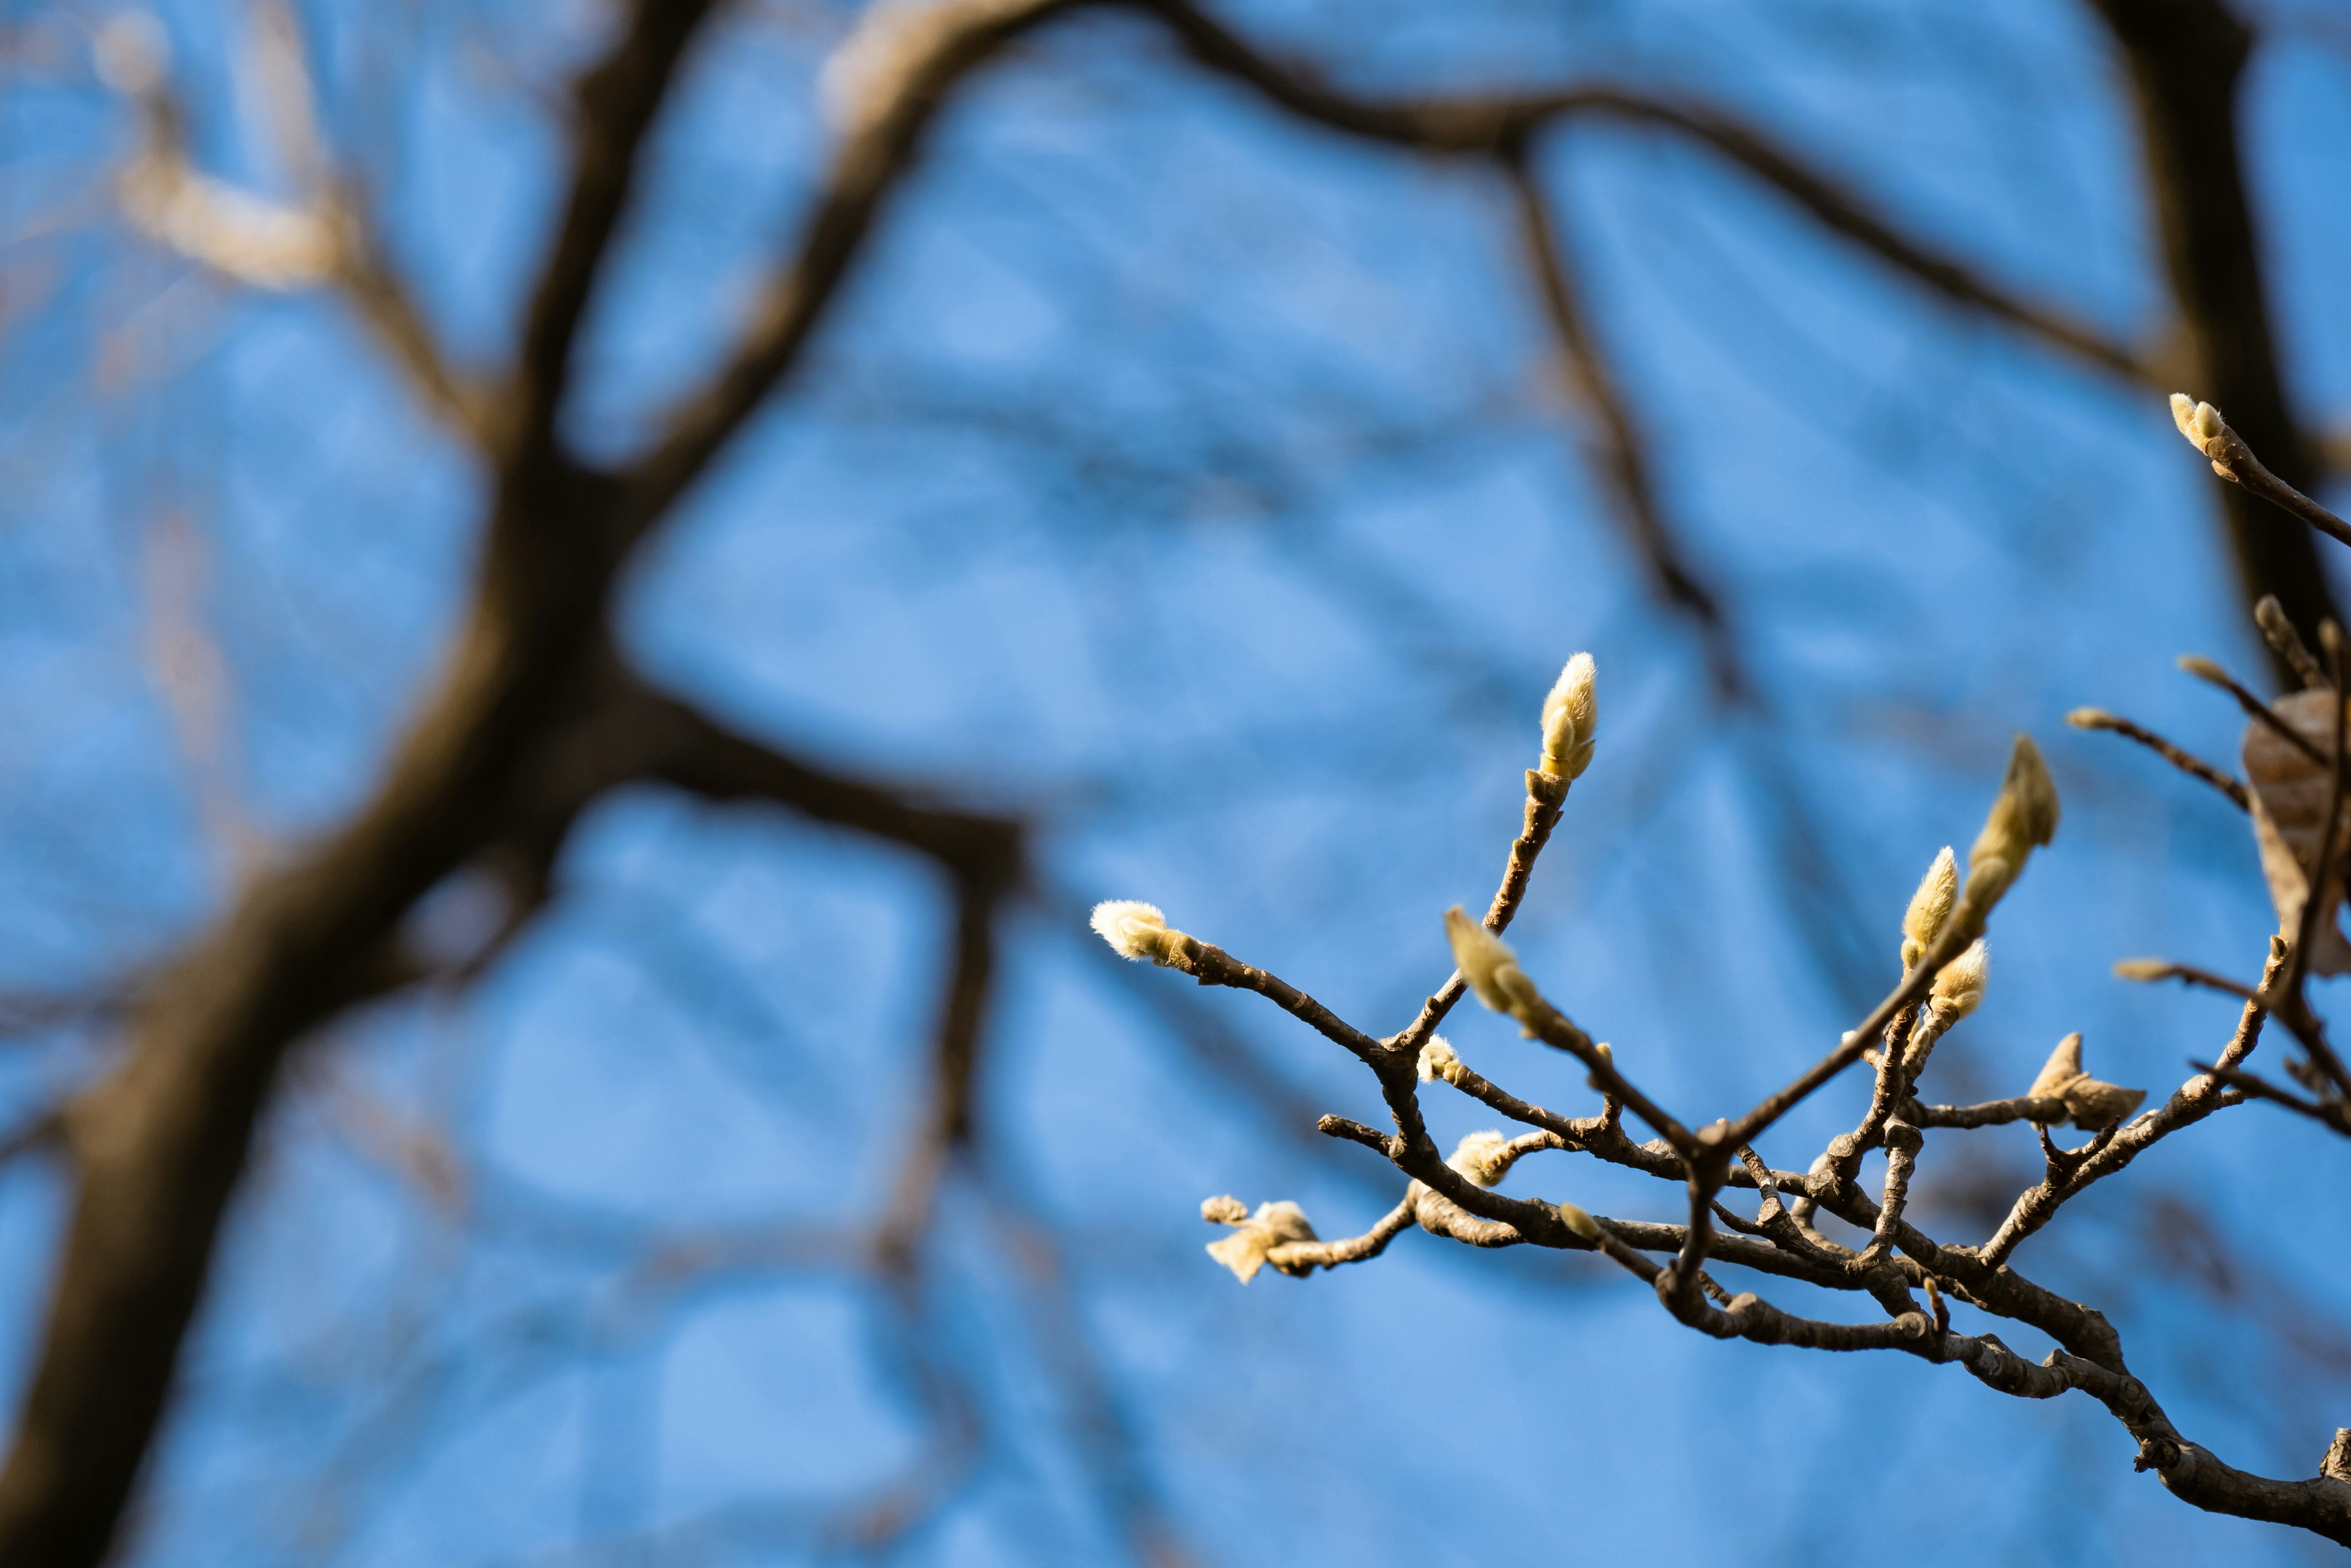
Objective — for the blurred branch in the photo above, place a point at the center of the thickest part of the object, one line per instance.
(2186, 60)
(160, 1144)
(911, 60)
(329, 240)
(1618, 450)
(1493, 125)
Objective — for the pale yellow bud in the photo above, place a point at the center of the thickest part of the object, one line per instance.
(1483, 1158)
(1437, 1060)
(1136, 931)
(1929, 906)
(2023, 817)
(2200, 423)
(1488, 963)
(2143, 969)
(1571, 714)
(1582, 1223)
(1960, 984)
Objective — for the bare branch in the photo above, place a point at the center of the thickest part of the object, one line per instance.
(2194, 767)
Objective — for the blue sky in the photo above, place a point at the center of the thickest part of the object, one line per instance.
(1189, 481)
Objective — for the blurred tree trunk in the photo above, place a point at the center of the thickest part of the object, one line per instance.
(2187, 59)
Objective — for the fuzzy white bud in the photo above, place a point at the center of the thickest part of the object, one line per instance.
(1960, 984)
(1135, 930)
(1483, 1158)
(1486, 962)
(1437, 1060)
(1929, 906)
(1570, 716)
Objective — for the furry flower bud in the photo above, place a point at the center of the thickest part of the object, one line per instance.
(1582, 1223)
(2021, 818)
(1486, 962)
(1483, 1158)
(1929, 906)
(1136, 930)
(1437, 1060)
(1571, 714)
(2200, 423)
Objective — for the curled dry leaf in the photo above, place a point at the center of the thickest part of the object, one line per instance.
(2092, 1106)
(1244, 1252)
(2290, 796)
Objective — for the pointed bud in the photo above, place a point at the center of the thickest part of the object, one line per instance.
(1570, 716)
(2022, 817)
(2090, 718)
(1929, 906)
(1582, 1223)
(1488, 963)
(2143, 969)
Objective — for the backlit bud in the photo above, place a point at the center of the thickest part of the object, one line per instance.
(1483, 1158)
(1136, 930)
(1959, 985)
(1569, 715)
(1929, 906)
(1582, 1223)
(1437, 1060)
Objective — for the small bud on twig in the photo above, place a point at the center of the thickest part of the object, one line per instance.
(1929, 906)
(2143, 969)
(1582, 1223)
(1488, 963)
(1569, 715)
(2201, 423)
